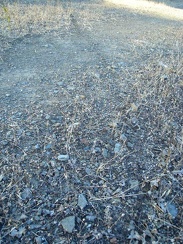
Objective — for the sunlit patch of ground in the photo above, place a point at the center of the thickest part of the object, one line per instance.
(150, 7)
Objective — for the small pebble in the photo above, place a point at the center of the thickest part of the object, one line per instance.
(47, 212)
(38, 240)
(86, 148)
(34, 226)
(53, 163)
(134, 120)
(47, 117)
(104, 153)
(26, 194)
(18, 233)
(172, 210)
(37, 146)
(117, 148)
(90, 218)
(63, 157)
(4, 143)
(96, 150)
(134, 184)
(130, 145)
(123, 137)
(88, 171)
(82, 202)
(48, 146)
(14, 233)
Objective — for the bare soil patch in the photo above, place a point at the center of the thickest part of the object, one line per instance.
(91, 122)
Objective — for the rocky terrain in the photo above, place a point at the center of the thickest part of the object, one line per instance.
(91, 117)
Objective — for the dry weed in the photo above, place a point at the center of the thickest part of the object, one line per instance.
(21, 19)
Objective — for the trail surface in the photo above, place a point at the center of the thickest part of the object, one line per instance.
(90, 125)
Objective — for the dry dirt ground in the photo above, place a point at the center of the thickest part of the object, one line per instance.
(91, 134)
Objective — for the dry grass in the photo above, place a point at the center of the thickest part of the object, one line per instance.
(144, 102)
(20, 19)
(155, 100)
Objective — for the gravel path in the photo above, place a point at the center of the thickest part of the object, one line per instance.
(90, 126)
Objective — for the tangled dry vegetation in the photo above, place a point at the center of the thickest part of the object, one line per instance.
(103, 164)
(21, 19)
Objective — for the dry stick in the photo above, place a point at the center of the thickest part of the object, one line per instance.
(123, 195)
(13, 184)
(169, 224)
(8, 233)
(103, 165)
(117, 196)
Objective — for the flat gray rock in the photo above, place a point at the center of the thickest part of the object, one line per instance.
(68, 223)
(82, 202)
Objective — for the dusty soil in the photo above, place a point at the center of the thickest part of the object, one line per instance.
(91, 128)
